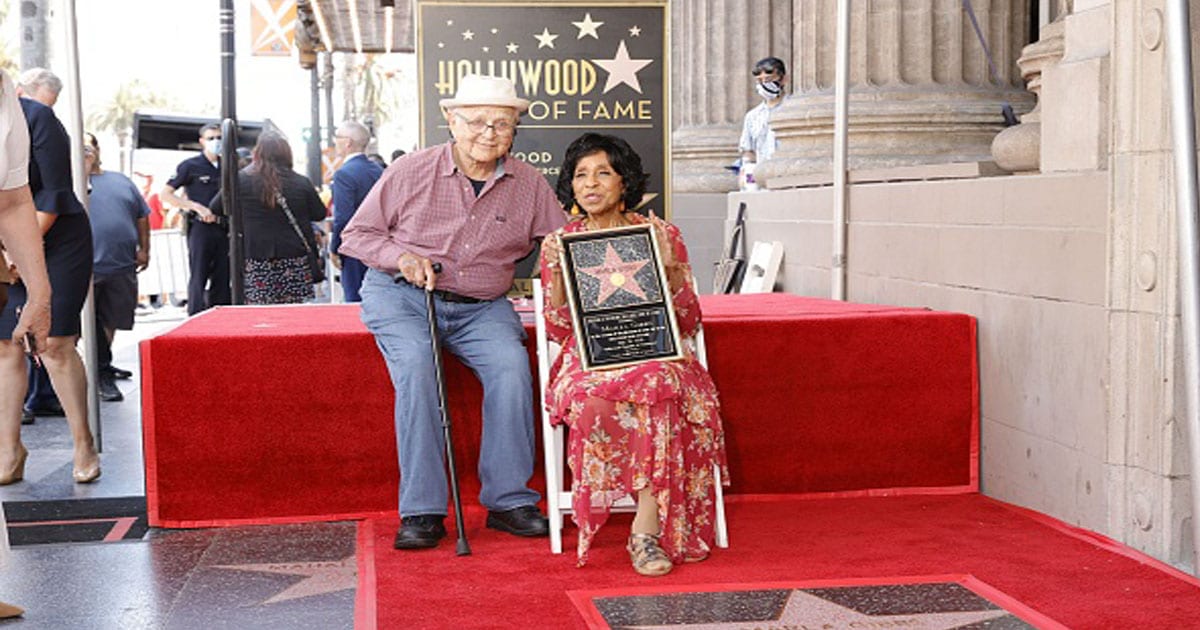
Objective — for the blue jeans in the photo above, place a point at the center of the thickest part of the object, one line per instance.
(489, 338)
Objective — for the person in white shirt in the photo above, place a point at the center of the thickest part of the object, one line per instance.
(758, 139)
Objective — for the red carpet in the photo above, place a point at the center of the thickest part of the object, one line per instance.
(1076, 578)
(276, 414)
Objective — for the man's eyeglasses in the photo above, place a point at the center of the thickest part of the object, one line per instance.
(500, 127)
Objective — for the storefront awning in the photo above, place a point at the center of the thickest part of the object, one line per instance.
(364, 26)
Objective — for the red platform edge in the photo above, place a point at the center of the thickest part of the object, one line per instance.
(151, 473)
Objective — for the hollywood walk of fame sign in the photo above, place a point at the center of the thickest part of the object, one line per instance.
(599, 67)
(619, 297)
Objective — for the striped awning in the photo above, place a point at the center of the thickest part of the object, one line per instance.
(366, 26)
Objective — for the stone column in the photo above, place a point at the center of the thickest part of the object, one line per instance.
(920, 86)
(714, 44)
(1018, 149)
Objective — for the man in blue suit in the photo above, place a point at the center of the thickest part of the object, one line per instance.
(351, 183)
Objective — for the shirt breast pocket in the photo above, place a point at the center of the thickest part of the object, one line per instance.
(508, 232)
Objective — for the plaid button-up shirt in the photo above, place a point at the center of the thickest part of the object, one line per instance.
(424, 205)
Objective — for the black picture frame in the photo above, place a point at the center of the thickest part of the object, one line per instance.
(619, 297)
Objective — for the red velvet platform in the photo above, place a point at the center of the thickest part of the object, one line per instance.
(277, 414)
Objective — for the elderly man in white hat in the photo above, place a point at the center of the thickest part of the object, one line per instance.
(470, 207)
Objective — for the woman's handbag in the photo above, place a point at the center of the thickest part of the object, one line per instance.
(314, 261)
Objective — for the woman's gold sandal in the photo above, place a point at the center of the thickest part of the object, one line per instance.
(647, 556)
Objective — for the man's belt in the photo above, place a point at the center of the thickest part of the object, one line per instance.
(449, 296)
(445, 296)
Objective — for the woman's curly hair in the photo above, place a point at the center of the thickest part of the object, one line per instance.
(623, 159)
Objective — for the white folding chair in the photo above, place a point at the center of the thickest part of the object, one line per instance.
(558, 497)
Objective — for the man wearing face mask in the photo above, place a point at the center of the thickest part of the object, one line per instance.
(758, 140)
(208, 244)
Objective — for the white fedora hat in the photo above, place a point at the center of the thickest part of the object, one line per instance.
(477, 89)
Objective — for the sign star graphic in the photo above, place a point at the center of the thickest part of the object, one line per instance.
(622, 69)
(468, 34)
(588, 27)
(635, 31)
(805, 610)
(546, 39)
(319, 577)
(512, 48)
(615, 274)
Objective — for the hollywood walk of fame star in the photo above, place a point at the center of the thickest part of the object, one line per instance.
(512, 48)
(587, 27)
(615, 274)
(805, 610)
(546, 39)
(468, 34)
(635, 31)
(622, 69)
(320, 577)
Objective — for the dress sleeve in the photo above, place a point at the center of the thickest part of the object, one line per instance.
(51, 152)
(687, 304)
(558, 320)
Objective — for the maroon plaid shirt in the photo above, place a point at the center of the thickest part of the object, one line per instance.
(423, 204)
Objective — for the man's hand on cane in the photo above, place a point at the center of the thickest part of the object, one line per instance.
(417, 271)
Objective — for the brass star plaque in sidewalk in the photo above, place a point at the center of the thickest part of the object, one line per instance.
(929, 602)
(320, 577)
(619, 296)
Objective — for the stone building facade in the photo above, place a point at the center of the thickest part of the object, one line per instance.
(1065, 252)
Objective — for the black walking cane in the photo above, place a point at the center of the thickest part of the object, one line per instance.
(463, 548)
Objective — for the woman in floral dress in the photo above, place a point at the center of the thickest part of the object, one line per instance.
(652, 430)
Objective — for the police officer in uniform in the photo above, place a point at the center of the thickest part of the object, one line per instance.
(208, 243)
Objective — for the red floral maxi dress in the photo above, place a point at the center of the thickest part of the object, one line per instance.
(655, 424)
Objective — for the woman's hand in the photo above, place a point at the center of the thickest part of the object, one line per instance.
(665, 246)
(34, 321)
(552, 249)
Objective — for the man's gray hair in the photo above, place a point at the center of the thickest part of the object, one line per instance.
(360, 136)
(33, 78)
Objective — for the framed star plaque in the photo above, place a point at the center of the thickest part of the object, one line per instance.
(619, 297)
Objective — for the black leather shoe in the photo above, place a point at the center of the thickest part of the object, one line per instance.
(27, 416)
(526, 520)
(108, 390)
(420, 532)
(52, 410)
(117, 372)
